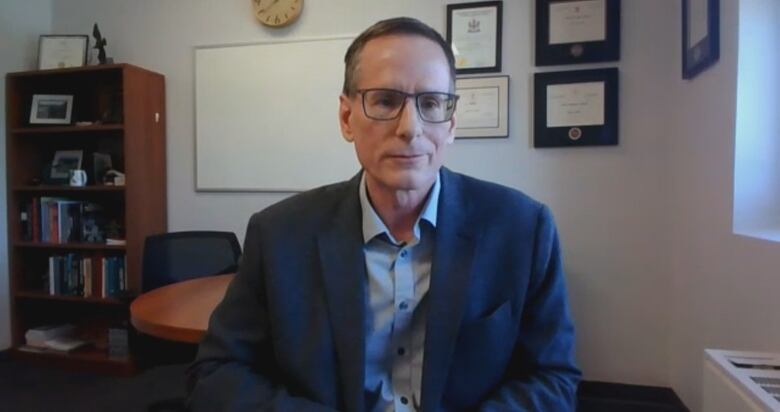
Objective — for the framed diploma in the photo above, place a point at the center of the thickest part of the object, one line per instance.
(483, 107)
(576, 108)
(570, 32)
(700, 36)
(61, 51)
(474, 33)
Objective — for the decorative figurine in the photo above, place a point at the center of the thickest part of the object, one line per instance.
(100, 44)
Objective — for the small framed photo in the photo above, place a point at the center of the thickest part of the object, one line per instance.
(483, 107)
(474, 33)
(63, 163)
(571, 32)
(51, 109)
(576, 108)
(61, 51)
(700, 36)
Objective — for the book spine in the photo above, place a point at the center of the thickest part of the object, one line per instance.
(36, 220)
(52, 279)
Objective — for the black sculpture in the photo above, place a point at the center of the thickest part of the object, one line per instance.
(100, 44)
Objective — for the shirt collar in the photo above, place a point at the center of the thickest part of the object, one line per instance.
(372, 223)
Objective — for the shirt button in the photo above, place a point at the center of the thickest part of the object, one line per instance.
(404, 253)
(404, 400)
(401, 351)
(403, 306)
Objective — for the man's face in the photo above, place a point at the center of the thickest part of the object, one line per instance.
(407, 152)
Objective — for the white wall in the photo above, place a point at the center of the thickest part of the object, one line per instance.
(609, 202)
(21, 22)
(724, 285)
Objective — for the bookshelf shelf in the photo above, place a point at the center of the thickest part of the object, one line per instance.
(32, 295)
(68, 246)
(69, 189)
(98, 128)
(90, 359)
(126, 104)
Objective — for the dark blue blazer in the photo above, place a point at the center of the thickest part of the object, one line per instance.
(289, 334)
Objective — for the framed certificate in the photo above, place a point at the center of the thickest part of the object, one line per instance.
(576, 108)
(61, 51)
(483, 107)
(569, 32)
(700, 36)
(474, 33)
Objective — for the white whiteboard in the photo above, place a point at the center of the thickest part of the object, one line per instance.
(266, 116)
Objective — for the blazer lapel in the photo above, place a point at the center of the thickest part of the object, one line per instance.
(344, 273)
(450, 272)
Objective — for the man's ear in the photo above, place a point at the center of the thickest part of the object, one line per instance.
(451, 137)
(345, 113)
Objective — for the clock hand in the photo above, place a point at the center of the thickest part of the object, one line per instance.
(269, 6)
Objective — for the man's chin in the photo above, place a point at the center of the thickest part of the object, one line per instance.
(411, 180)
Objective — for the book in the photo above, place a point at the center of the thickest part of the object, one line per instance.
(65, 343)
(38, 336)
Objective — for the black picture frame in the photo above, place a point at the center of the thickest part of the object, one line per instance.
(573, 135)
(451, 37)
(593, 51)
(704, 53)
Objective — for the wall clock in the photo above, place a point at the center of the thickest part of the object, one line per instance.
(277, 13)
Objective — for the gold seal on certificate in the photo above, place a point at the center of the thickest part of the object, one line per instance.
(575, 133)
(474, 33)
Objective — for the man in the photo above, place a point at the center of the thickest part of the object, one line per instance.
(409, 287)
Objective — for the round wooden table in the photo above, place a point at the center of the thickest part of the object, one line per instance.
(179, 312)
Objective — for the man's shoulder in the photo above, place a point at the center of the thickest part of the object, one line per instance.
(306, 208)
(482, 194)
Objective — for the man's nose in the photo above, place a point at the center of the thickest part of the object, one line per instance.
(409, 122)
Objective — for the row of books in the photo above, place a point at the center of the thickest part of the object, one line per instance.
(86, 276)
(59, 220)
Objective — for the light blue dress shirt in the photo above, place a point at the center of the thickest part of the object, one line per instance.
(398, 279)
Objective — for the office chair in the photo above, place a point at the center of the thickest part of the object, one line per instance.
(174, 257)
(178, 256)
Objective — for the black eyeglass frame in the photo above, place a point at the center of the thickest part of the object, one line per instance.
(416, 96)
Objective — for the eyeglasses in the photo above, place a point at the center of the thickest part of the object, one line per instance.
(387, 104)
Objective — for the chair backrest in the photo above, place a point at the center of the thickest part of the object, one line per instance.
(177, 256)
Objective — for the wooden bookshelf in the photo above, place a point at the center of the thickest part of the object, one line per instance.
(126, 105)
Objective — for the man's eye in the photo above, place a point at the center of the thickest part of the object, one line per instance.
(386, 101)
(430, 103)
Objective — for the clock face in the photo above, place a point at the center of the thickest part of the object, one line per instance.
(277, 13)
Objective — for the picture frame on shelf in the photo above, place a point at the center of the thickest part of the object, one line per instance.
(700, 36)
(474, 34)
(62, 51)
(64, 162)
(483, 107)
(51, 109)
(576, 108)
(572, 32)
